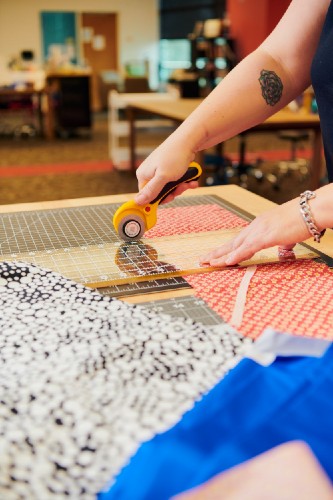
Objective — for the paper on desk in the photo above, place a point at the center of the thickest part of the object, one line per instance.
(272, 344)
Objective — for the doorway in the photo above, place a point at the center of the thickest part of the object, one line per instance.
(99, 40)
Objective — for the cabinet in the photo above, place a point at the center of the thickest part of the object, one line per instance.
(69, 97)
(211, 60)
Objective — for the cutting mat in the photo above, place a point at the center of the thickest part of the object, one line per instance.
(52, 229)
(81, 244)
(188, 307)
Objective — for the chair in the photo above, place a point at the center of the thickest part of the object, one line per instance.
(224, 169)
(295, 137)
(136, 84)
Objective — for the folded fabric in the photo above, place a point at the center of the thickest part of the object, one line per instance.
(84, 379)
(272, 344)
(250, 411)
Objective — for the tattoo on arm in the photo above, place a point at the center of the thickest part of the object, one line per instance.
(271, 86)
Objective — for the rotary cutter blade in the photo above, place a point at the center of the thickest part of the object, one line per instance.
(131, 221)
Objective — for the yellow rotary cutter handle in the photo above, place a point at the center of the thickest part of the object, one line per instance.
(131, 221)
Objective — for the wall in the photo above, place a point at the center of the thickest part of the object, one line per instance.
(252, 21)
(276, 11)
(138, 26)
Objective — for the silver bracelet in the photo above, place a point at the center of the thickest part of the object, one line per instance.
(307, 215)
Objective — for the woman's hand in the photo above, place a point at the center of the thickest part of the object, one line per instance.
(283, 226)
(166, 163)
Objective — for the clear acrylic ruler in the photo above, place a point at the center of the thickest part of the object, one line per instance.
(116, 263)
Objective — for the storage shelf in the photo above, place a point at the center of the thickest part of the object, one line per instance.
(208, 55)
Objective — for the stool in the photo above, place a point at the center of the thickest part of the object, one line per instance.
(294, 136)
(245, 170)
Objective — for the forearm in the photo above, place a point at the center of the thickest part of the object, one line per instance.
(238, 103)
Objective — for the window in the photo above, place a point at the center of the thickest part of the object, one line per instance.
(174, 54)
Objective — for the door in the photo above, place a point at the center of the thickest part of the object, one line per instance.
(100, 51)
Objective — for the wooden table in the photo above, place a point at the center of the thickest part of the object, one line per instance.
(245, 200)
(285, 119)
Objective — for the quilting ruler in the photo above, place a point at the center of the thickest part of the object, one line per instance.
(81, 244)
(146, 287)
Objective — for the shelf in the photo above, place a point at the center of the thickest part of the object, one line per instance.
(211, 59)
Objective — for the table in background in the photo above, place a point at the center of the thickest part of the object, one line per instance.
(285, 119)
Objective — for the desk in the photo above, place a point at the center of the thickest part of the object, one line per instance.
(245, 200)
(283, 119)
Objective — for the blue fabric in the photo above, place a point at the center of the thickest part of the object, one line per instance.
(250, 411)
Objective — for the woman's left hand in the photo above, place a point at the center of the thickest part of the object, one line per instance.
(283, 226)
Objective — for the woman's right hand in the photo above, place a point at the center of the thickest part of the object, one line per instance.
(168, 162)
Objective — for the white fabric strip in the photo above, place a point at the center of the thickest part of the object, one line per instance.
(272, 344)
(239, 307)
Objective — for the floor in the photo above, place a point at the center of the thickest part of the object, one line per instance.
(18, 188)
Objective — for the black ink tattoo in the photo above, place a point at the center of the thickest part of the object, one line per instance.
(271, 86)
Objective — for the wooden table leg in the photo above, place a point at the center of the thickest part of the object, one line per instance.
(48, 115)
(132, 138)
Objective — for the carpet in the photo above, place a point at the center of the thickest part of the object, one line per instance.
(107, 165)
(56, 168)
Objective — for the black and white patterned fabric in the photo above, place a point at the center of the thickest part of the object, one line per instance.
(84, 379)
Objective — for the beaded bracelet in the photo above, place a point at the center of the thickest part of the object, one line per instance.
(308, 217)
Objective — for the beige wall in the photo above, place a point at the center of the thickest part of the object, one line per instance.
(138, 26)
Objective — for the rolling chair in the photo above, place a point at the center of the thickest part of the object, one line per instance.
(225, 169)
(294, 164)
(295, 137)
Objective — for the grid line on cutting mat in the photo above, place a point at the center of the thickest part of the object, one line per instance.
(187, 307)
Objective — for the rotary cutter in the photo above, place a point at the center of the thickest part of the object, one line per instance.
(131, 221)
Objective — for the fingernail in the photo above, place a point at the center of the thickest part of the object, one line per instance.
(229, 260)
(203, 264)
